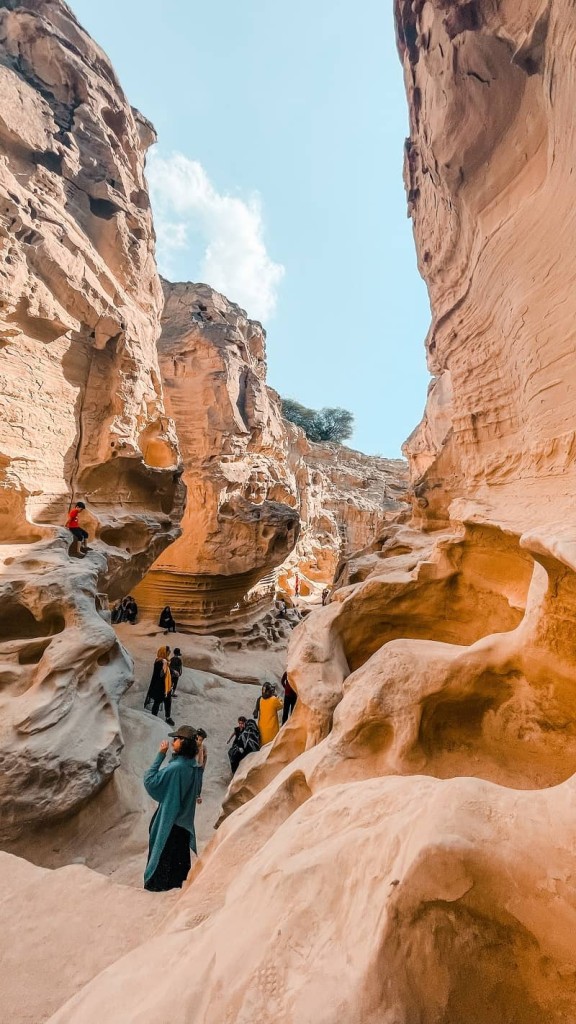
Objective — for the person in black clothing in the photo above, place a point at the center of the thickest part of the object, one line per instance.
(290, 698)
(246, 743)
(160, 689)
(176, 668)
(166, 620)
(131, 611)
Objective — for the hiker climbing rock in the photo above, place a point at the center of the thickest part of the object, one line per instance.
(80, 535)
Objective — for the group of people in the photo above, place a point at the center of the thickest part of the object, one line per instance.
(125, 610)
(252, 733)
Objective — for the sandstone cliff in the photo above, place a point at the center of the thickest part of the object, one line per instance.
(409, 834)
(82, 408)
(253, 479)
(241, 519)
(345, 500)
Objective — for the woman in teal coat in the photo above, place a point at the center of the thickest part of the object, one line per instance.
(177, 789)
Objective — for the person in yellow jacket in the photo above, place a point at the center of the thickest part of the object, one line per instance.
(266, 714)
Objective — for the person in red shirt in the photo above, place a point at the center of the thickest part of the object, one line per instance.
(75, 528)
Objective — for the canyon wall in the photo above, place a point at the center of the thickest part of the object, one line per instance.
(408, 836)
(241, 518)
(82, 414)
(253, 480)
(346, 498)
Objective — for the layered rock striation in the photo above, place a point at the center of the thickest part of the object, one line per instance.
(253, 480)
(241, 518)
(410, 831)
(82, 413)
(346, 500)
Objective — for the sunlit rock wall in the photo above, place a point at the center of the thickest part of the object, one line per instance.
(82, 413)
(241, 519)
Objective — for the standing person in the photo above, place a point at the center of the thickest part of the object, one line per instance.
(176, 668)
(176, 788)
(325, 595)
(266, 714)
(166, 620)
(202, 755)
(131, 611)
(296, 585)
(74, 526)
(290, 698)
(160, 689)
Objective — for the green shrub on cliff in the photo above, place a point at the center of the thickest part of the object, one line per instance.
(329, 424)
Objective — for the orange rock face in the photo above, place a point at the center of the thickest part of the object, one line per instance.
(241, 518)
(404, 848)
(254, 481)
(82, 414)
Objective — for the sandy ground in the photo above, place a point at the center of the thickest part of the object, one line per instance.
(110, 835)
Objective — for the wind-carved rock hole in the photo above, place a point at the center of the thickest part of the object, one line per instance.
(19, 623)
(51, 161)
(509, 730)
(156, 451)
(103, 208)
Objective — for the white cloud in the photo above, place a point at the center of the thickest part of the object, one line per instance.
(234, 261)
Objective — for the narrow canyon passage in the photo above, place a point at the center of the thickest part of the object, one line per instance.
(110, 834)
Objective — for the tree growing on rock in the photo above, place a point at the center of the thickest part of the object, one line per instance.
(328, 424)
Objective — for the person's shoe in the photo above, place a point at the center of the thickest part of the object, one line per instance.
(170, 721)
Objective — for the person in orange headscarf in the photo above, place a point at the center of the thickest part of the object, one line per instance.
(160, 689)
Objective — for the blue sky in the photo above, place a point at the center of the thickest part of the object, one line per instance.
(278, 179)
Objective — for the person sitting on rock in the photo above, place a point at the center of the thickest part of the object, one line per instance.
(247, 742)
(75, 529)
(166, 620)
(160, 689)
(176, 668)
(116, 613)
(266, 714)
(131, 611)
(237, 729)
(177, 789)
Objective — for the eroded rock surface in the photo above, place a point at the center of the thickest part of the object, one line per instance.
(411, 828)
(82, 414)
(403, 851)
(346, 500)
(253, 479)
(241, 519)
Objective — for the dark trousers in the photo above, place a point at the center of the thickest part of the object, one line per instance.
(289, 702)
(167, 702)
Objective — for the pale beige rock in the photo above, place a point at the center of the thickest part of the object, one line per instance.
(51, 952)
(81, 408)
